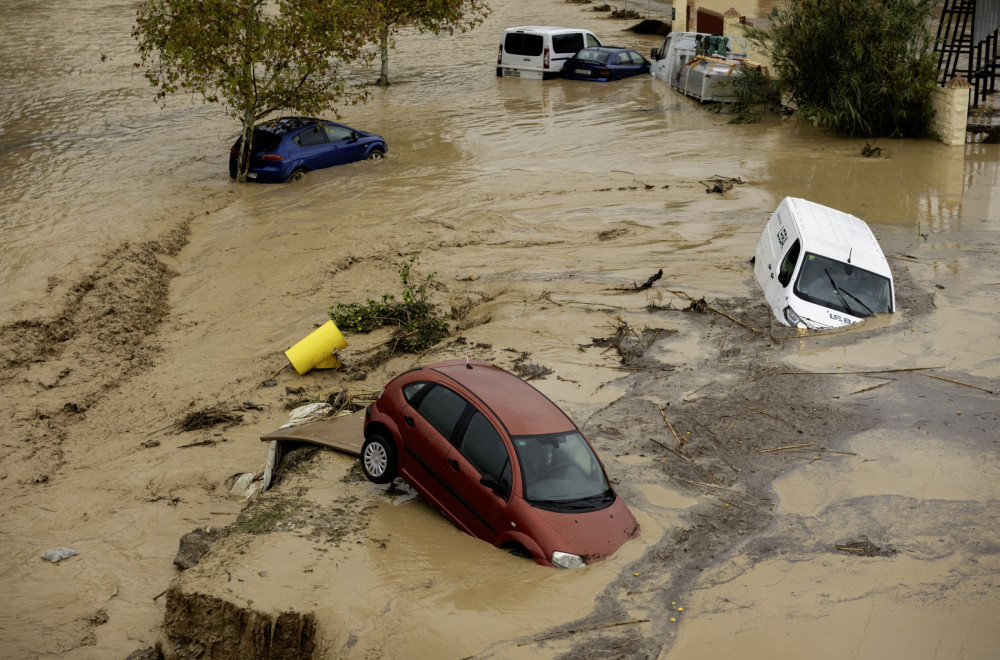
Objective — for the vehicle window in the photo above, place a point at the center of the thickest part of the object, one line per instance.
(559, 468)
(788, 263)
(517, 43)
(442, 408)
(592, 40)
(310, 137)
(843, 287)
(567, 43)
(623, 58)
(484, 448)
(593, 55)
(264, 141)
(411, 390)
(336, 133)
(663, 49)
(636, 57)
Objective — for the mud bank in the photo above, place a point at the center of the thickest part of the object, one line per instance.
(207, 627)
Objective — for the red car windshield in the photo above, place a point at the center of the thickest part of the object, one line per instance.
(562, 470)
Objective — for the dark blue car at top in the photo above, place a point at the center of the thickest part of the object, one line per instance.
(605, 63)
(288, 147)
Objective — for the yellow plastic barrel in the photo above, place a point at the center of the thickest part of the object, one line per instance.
(318, 350)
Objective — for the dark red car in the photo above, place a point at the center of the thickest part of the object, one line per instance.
(502, 461)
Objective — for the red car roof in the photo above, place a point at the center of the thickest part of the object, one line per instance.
(521, 408)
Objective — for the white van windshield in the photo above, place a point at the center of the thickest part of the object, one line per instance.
(843, 287)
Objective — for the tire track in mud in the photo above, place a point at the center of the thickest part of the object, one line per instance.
(94, 343)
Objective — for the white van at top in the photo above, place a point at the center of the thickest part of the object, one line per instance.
(821, 268)
(539, 51)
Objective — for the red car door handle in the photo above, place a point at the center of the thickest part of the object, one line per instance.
(409, 421)
(453, 463)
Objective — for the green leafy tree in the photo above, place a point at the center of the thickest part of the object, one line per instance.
(387, 17)
(254, 57)
(858, 67)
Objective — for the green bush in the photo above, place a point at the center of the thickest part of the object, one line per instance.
(417, 322)
(858, 67)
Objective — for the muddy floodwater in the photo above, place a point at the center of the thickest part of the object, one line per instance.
(821, 495)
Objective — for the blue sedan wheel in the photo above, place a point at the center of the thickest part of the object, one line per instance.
(376, 154)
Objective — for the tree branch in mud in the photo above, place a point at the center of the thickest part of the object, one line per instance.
(696, 304)
(207, 417)
(642, 287)
(419, 324)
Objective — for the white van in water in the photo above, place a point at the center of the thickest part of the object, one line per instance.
(539, 51)
(704, 66)
(821, 268)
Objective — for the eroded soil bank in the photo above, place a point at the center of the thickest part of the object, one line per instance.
(141, 286)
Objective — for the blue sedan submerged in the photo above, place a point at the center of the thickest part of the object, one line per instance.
(605, 63)
(288, 147)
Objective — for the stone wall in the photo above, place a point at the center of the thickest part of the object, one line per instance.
(951, 110)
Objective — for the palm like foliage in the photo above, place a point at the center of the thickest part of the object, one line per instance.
(859, 67)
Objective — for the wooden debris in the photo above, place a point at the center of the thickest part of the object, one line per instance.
(767, 414)
(207, 417)
(672, 451)
(853, 373)
(702, 484)
(717, 311)
(912, 261)
(200, 443)
(873, 387)
(680, 443)
(642, 287)
(958, 382)
(807, 444)
(832, 451)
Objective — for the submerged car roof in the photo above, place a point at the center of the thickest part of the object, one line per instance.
(836, 234)
(521, 408)
(607, 49)
(544, 28)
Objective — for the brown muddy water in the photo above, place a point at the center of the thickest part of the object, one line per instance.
(139, 284)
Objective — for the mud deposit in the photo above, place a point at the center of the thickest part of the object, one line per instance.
(821, 495)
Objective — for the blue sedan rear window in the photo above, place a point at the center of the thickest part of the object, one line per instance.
(600, 56)
(264, 141)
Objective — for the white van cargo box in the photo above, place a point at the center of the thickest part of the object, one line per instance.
(701, 65)
(821, 268)
(539, 51)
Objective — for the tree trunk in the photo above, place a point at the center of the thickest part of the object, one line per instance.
(383, 49)
(246, 144)
(249, 111)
